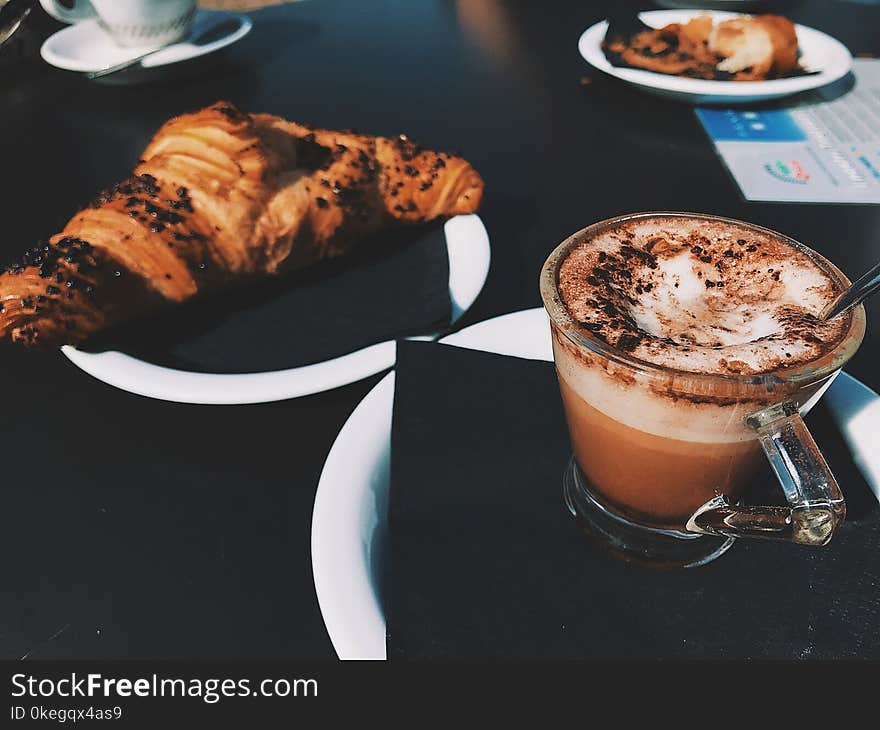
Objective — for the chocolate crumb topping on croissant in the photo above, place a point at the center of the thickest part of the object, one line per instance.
(218, 197)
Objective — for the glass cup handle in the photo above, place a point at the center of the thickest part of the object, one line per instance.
(815, 503)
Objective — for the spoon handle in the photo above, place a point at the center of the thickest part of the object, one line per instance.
(120, 66)
(861, 289)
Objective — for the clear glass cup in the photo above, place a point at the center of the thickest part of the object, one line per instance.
(661, 456)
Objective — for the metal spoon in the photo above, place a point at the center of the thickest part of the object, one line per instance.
(11, 16)
(208, 35)
(860, 290)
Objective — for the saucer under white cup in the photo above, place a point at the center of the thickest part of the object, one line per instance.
(85, 47)
(140, 24)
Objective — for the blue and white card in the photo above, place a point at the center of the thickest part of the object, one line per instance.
(825, 148)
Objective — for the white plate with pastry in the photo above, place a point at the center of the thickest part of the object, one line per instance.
(86, 47)
(467, 244)
(824, 58)
(221, 198)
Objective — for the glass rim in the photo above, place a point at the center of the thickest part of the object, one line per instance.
(812, 371)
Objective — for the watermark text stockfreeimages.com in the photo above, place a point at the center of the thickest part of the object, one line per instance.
(95, 685)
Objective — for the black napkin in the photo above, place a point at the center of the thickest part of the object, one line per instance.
(486, 562)
(395, 284)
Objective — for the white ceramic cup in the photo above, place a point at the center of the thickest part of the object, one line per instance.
(131, 23)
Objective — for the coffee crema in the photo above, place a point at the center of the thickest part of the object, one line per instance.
(701, 295)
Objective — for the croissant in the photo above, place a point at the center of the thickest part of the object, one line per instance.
(221, 197)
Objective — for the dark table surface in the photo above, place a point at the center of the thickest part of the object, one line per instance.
(133, 528)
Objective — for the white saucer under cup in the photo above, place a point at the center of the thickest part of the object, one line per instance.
(350, 517)
(85, 47)
(349, 521)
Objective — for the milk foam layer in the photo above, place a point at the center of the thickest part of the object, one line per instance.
(644, 405)
(701, 296)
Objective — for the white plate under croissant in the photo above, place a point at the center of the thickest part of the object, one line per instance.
(222, 197)
(467, 245)
(820, 53)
